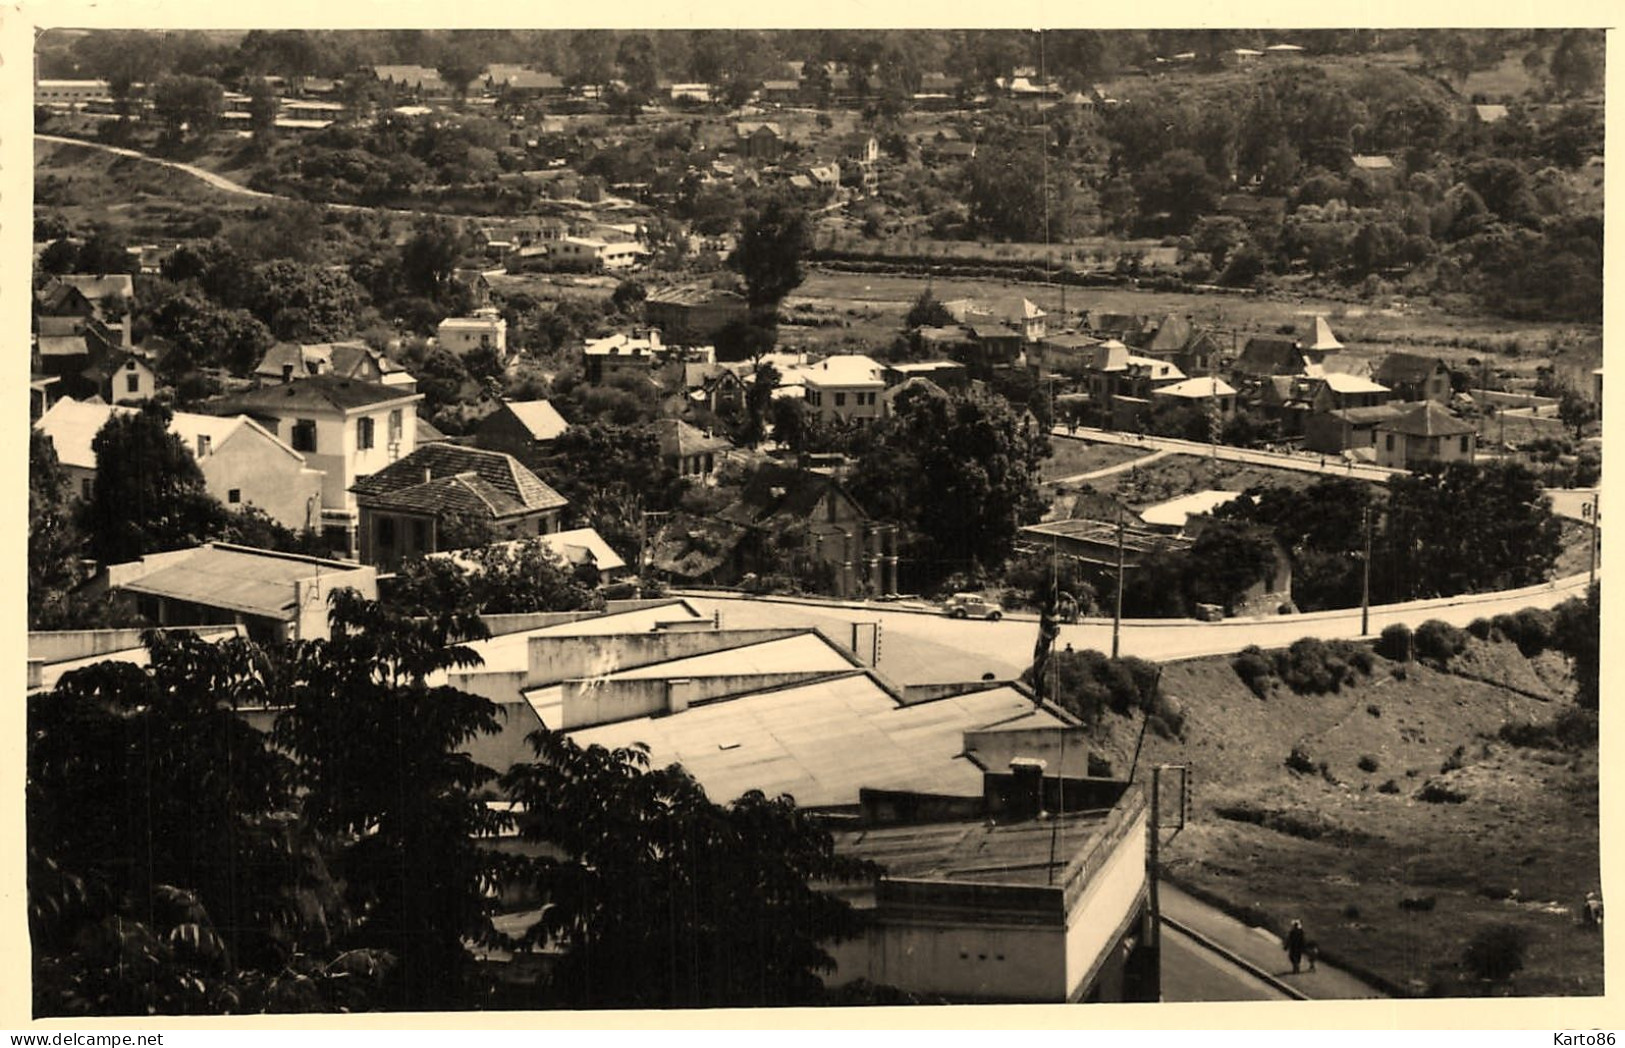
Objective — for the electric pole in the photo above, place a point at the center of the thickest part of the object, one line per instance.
(1117, 615)
(1365, 581)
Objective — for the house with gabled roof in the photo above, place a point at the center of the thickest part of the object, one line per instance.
(1337, 391)
(1412, 376)
(67, 304)
(520, 427)
(241, 462)
(344, 427)
(1266, 355)
(690, 451)
(858, 552)
(1426, 435)
(431, 499)
(354, 359)
(759, 140)
(844, 387)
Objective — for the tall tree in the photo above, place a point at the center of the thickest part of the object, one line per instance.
(661, 897)
(189, 106)
(772, 248)
(148, 495)
(168, 871)
(383, 768)
(54, 542)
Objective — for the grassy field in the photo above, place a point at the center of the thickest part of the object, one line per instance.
(1341, 849)
(1075, 456)
(1177, 475)
(138, 198)
(883, 299)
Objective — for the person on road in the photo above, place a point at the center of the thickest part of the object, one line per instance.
(1294, 945)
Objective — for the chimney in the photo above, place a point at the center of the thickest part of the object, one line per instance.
(287, 373)
(678, 694)
(428, 474)
(1026, 800)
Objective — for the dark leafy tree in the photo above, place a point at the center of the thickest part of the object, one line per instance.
(661, 897)
(168, 871)
(188, 105)
(1227, 559)
(927, 311)
(262, 110)
(148, 495)
(55, 546)
(496, 579)
(772, 247)
(972, 452)
(383, 769)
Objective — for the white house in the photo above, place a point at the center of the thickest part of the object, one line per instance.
(463, 335)
(844, 387)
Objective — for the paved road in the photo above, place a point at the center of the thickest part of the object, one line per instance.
(1192, 972)
(1121, 467)
(926, 647)
(1304, 463)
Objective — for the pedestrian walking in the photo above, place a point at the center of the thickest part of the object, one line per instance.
(1311, 953)
(1294, 945)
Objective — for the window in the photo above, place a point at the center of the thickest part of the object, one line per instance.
(205, 444)
(1390, 442)
(363, 433)
(84, 487)
(386, 532)
(304, 435)
(420, 535)
(1464, 444)
(395, 426)
(840, 400)
(132, 382)
(234, 496)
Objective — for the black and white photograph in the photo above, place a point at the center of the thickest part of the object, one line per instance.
(540, 520)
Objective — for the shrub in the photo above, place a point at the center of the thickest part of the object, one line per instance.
(1395, 643)
(1388, 787)
(1351, 912)
(1572, 728)
(1454, 761)
(1439, 641)
(1367, 763)
(1434, 792)
(1531, 631)
(1300, 761)
(1312, 667)
(1374, 710)
(1496, 952)
(1481, 628)
(1254, 669)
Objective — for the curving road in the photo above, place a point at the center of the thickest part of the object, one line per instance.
(217, 181)
(923, 646)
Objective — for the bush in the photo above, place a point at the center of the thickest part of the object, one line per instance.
(1573, 728)
(1439, 641)
(1395, 643)
(1531, 630)
(1374, 710)
(1315, 667)
(1388, 787)
(1434, 792)
(1367, 763)
(1300, 761)
(1483, 629)
(1254, 669)
(1496, 952)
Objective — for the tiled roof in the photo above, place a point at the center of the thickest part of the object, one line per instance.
(1338, 382)
(318, 392)
(436, 477)
(845, 370)
(1407, 367)
(677, 438)
(1429, 420)
(1197, 387)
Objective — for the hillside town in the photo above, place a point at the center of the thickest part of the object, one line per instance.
(677, 519)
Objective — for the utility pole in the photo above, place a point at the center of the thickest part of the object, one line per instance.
(1365, 581)
(1117, 615)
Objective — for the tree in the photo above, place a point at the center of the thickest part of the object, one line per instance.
(772, 246)
(384, 769)
(492, 580)
(458, 62)
(54, 542)
(206, 335)
(60, 256)
(168, 869)
(1179, 186)
(927, 312)
(262, 111)
(1465, 528)
(305, 302)
(1014, 195)
(148, 495)
(1577, 62)
(188, 105)
(660, 897)
(1577, 633)
(102, 254)
(429, 259)
(1576, 410)
(1229, 558)
(971, 452)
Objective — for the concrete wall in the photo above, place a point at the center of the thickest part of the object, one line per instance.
(310, 612)
(589, 702)
(994, 750)
(1110, 900)
(555, 659)
(265, 476)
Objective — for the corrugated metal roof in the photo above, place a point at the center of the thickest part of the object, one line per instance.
(1004, 853)
(241, 580)
(821, 743)
(539, 417)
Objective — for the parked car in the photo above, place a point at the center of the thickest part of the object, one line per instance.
(972, 605)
